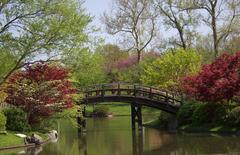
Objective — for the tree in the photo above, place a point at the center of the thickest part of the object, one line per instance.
(181, 20)
(232, 44)
(169, 68)
(6, 63)
(46, 28)
(111, 55)
(221, 17)
(87, 68)
(128, 69)
(40, 90)
(216, 82)
(136, 20)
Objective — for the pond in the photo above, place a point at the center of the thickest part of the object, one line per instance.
(114, 136)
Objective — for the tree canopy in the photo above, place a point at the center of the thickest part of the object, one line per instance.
(40, 90)
(29, 29)
(217, 81)
(169, 68)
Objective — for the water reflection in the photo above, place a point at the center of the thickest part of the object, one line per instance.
(33, 150)
(82, 143)
(115, 137)
(137, 142)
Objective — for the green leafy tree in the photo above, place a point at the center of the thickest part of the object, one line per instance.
(166, 71)
(86, 67)
(32, 28)
(6, 62)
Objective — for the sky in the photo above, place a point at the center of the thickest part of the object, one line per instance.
(97, 7)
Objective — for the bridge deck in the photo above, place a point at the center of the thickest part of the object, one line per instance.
(142, 95)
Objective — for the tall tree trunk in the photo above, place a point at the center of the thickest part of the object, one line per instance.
(139, 56)
(214, 29)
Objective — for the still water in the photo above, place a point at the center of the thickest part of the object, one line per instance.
(113, 136)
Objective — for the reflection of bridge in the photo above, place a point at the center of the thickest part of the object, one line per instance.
(136, 95)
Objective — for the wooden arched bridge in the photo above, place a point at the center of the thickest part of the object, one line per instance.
(136, 95)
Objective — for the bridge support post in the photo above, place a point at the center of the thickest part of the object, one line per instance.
(136, 114)
(133, 114)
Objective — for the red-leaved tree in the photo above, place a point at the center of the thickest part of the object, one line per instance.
(133, 60)
(40, 90)
(216, 82)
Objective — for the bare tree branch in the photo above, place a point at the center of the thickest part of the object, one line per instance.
(133, 18)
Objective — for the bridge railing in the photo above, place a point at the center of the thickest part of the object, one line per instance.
(125, 89)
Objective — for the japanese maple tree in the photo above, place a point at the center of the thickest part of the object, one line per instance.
(40, 90)
(215, 82)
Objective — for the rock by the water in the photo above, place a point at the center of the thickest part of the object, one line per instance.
(34, 138)
(53, 135)
(21, 135)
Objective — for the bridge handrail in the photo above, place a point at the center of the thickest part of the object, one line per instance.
(133, 88)
(127, 84)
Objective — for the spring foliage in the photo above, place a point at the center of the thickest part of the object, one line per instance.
(216, 82)
(166, 71)
(2, 121)
(40, 90)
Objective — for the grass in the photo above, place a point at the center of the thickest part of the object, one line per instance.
(197, 128)
(120, 109)
(116, 108)
(10, 139)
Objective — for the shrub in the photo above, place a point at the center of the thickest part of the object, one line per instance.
(186, 111)
(101, 111)
(234, 117)
(213, 113)
(45, 125)
(216, 82)
(168, 70)
(3, 121)
(16, 120)
(164, 119)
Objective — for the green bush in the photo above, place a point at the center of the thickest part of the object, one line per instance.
(3, 122)
(186, 111)
(101, 111)
(164, 119)
(16, 120)
(211, 113)
(45, 125)
(234, 117)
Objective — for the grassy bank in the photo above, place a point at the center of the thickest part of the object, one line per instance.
(10, 139)
(121, 109)
(210, 129)
(157, 124)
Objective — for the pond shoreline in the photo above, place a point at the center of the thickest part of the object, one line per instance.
(19, 144)
(193, 129)
(23, 146)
